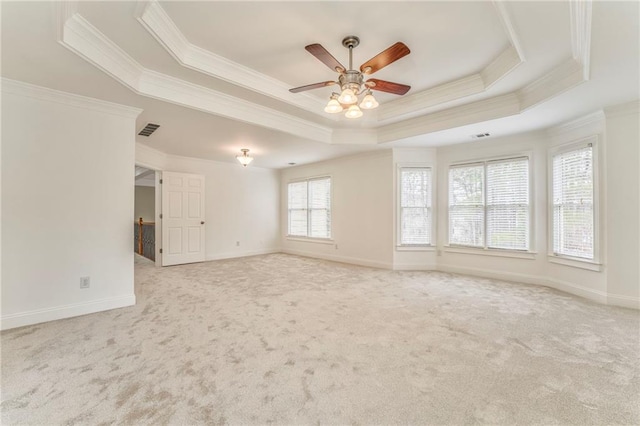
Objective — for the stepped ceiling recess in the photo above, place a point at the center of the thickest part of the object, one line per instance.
(216, 75)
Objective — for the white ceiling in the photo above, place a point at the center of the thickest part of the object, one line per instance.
(450, 42)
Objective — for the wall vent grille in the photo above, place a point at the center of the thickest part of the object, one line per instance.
(148, 129)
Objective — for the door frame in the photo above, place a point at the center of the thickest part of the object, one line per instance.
(158, 208)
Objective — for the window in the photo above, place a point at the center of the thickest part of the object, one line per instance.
(415, 206)
(573, 206)
(309, 204)
(489, 204)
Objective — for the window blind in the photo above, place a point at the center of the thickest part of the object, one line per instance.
(309, 204)
(297, 193)
(320, 208)
(466, 205)
(573, 213)
(415, 206)
(507, 205)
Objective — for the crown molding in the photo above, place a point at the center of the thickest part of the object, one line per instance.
(437, 95)
(580, 13)
(20, 88)
(355, 137)
(629, 108)
(476, 112)
(160, 25)
(502, 65)
(88, 42)
(562, 78)
(507, 25)
(591, 124)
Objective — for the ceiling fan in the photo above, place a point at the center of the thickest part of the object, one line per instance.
(352, 82)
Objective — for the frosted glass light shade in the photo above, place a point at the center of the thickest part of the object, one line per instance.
(347, 97)
(244, 159)
(333, 106)
(353, 112)
(369, 102)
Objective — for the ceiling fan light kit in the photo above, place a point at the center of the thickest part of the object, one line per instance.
(351, 82)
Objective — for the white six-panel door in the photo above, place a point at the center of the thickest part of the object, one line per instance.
(182, 218)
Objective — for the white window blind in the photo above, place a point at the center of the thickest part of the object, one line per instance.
(309, 204)
(508, 204)
(573, 213)
(466, 205)
(415, 206)
(489, 204)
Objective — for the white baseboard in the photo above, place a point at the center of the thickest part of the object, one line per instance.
(414, 267)
(341, 259)
(578, 290)
(66, 311)
(490, 273)
(221, 256)
(623, 301)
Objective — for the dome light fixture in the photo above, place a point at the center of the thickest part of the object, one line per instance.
(244, 159)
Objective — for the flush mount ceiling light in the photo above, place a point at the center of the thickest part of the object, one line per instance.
(351, 82)
(244, 159)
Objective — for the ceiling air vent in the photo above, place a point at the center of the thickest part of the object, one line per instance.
(148, 129)
(480, 135)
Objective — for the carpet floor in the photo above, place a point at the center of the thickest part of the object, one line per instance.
(280, 339)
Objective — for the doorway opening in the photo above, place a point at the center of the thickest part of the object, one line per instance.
(144, 225)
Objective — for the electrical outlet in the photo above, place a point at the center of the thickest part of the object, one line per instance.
(336, 247)
(237, 243)
(439, 252)
(85, 282)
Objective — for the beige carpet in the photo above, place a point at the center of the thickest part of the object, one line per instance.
(290, 340)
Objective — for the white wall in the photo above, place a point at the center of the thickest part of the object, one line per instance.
(241, 205)
(361, 211)
(67, 192)
(623, 203)
(145, 204)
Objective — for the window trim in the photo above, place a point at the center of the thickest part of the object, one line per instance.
(529, 156)
(398, 237)
(594, 264)
(307, 238)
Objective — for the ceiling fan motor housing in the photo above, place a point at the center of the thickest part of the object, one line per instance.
(351, 79)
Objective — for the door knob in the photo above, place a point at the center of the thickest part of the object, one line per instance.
(202, 223)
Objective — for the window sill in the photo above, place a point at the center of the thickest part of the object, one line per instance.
(576, 263)
(514, 254)
(415, 248)
(311, 240)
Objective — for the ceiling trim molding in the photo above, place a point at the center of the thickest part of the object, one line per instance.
(629, 108)
(437, 95)
(88, 42)
(562, 78)
(580, 14)
(507, 25)
(476, 112)
(160, 25)
(592, 123)
(506, 62)
(20, 88)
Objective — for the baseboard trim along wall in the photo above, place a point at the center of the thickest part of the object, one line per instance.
(222, 256)
(414, 267)
(22, 319)
(341, 259)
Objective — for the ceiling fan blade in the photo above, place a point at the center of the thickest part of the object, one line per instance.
(387, 86)
(384, 58)
(325, 57)
(312, 86)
